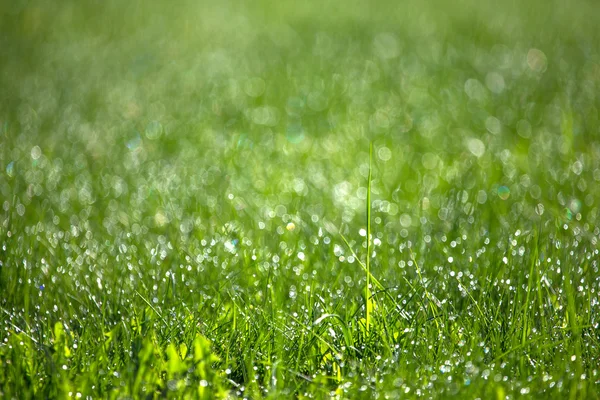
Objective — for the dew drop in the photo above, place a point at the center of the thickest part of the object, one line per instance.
(476, 147)
(504, 192)
(10, 169)
(537, 60)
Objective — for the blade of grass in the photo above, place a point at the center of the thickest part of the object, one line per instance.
(368, 304)
(153, 309)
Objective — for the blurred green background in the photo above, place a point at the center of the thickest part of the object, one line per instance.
(136, 105)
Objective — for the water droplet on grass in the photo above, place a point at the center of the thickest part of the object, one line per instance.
(36, 152)
(504, 192)
(539, 209)
(405, 220)
(10, 169)
(384, 153)
(481, 197)
(154, 130)
(429, 160)
(476, 147)
(524, 129)
(266, 115)
(295, 133)
(134, 143)
(537, 60)
(495, 82)
(493, 125)
(474, 89)
(575, 205)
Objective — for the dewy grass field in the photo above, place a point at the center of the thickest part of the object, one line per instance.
(190, 207)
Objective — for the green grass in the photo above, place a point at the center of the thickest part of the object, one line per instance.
(316, 200)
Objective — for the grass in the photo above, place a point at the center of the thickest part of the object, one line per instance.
(271, 200)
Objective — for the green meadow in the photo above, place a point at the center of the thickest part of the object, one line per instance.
(328, 200)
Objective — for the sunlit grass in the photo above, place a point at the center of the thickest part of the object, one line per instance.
(267, 200)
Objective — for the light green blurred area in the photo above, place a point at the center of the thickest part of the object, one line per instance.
(266, 92)
(144, 105)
